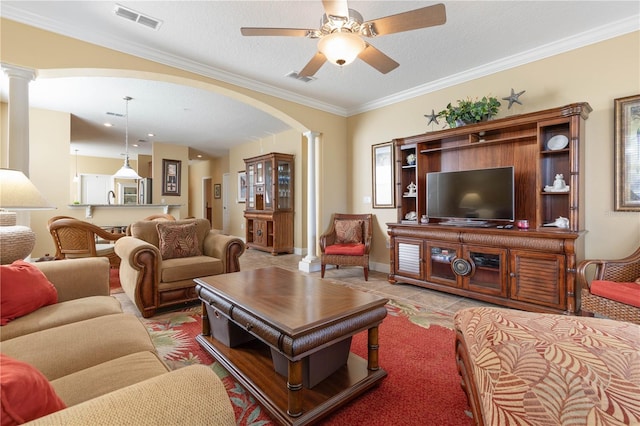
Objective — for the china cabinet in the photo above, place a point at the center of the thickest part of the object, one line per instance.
(532, 268)
(269, 202)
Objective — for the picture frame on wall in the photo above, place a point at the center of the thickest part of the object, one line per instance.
(217, 190)
(242, 186)
(171, 177)
(383, 179)
(627, 153)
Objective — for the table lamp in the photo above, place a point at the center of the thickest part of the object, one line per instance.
(17, 193)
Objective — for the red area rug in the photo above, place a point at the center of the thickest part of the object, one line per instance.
(416, 350)
(114, 281)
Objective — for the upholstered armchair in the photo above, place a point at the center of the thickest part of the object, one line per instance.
(160, 260)
(614, 290)
(76, 238)
(347, 242)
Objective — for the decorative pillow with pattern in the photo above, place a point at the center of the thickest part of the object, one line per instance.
(348, 231)
(178, 240)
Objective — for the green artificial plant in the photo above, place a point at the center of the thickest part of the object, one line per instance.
(470, 111)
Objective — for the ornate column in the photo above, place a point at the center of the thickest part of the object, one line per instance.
(17, 155)
(311, 263)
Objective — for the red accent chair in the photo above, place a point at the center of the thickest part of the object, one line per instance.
(347, 242)
(614, 290)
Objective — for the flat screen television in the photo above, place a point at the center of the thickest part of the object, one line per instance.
(471, 197)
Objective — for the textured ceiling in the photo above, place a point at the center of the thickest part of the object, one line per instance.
(480, 37)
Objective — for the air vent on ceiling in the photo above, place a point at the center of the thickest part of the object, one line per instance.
(132, 15)
(115, 114)
(304, 79)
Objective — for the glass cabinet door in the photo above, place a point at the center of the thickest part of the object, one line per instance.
(251, 191)
(284, 185)
(268, 181)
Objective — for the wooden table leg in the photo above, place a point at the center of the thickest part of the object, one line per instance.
(294, 386)
(372, 363)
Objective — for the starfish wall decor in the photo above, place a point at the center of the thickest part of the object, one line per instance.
(433, 117)
(513, 98)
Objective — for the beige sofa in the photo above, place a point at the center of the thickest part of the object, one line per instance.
(153, 282)
(96, 358)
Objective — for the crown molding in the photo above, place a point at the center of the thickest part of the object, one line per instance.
(595, 35)
(598, 34)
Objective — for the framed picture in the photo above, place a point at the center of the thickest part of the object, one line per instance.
(217, 190)
(171, 177)
(627, 153)
(383, 181)
(242, 186)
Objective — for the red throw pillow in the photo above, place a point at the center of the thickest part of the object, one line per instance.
(178, 240)
(23, 289)
(26, 394)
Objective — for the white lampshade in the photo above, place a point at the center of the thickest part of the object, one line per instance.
(126, 172)
(17, 193)
(341, 48)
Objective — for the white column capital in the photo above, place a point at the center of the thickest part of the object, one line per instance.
(14, 71)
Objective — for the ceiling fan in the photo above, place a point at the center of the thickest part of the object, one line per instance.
(342, 30)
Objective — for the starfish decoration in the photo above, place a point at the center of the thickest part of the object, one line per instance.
(513, 98)
(433, 117)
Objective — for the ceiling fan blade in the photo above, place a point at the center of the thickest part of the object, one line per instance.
(313, 66)
(414, 19)
(287, 32)
(377, 59)
(336, 7)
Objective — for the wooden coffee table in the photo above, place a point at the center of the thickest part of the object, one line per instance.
(297, 316)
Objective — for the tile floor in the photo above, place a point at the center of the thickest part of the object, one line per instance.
(353, 277)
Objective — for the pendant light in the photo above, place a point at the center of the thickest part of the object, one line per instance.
(126, 172)
(76, 178)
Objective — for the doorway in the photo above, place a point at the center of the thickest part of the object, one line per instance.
(206, 200)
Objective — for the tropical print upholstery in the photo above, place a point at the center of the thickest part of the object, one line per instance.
(545, 369)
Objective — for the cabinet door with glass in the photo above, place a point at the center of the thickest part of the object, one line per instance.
(270, 190)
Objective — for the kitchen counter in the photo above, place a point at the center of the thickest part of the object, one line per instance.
(89, 208)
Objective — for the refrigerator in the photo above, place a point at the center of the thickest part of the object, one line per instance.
(144, 191)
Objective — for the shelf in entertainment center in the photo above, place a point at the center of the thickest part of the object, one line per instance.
(534, 268)
(474, 143)
(554, 152)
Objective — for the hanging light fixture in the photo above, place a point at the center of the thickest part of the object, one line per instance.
(76, 178)
(126, 172)
(341, 47)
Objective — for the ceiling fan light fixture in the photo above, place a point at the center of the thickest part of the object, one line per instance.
(341, 48)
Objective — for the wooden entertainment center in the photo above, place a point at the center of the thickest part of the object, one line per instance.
(530, 269)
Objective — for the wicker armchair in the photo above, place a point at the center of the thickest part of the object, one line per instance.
(624, 270)
(76, 238)
(354, 251)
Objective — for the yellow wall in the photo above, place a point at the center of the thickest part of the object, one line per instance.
(287, 143)
(53, 55)
(597, 74)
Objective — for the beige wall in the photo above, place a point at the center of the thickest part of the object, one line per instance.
(53, 56)
(597, 74)
(290, 142)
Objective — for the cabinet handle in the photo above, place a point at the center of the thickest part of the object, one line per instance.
(512, 274)
(259, 232)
